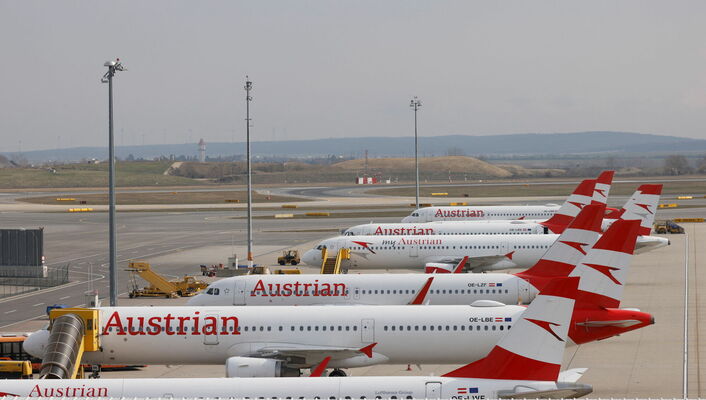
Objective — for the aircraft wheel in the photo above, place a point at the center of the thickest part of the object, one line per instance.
(337, 372)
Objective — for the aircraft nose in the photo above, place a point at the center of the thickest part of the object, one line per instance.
(196, 300)
(36, 342)
(310, 257)
(406, 219)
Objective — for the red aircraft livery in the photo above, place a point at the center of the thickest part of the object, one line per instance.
(458, 213)
(298, 289)
(135, 326)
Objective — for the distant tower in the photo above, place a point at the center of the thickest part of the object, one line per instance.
(202, 151)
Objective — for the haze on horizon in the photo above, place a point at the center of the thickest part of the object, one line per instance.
(348, 69)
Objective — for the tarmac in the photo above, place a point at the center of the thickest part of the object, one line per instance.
(644, 363)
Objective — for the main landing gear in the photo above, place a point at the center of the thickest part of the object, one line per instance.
(337, 372)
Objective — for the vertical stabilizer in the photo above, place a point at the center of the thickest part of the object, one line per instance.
(533, 349)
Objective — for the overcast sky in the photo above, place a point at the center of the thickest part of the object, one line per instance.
(348, 69)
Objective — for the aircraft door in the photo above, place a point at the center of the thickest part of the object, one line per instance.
(210, 338)
(413, 250)
(367, 330)
(239, 292)
(433, 390)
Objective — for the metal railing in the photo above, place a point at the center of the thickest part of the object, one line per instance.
(12, 286)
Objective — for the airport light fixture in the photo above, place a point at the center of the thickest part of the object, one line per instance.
(415, 103)
(113, 67)
(248, 99)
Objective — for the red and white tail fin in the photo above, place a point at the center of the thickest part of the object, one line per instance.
(533, 349)
(569, 248)
(581, 197)
(643, 205)
(604, 270)
(602, 189)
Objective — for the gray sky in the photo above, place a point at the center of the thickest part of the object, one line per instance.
(348, 69)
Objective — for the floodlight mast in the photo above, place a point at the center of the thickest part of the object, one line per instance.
(113, 66)
(416, 104)
(248, 99)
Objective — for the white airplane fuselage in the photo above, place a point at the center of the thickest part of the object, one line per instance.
(211, 335)
(389, 387)
(488, 227)
(480, 213)
(365, 289)
(485, 252)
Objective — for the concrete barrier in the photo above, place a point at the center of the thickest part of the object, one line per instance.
(84, 209)
(289, 206)
(463, 203)
(688, 220)
(671, 205)
(317, 214)
(232, 201)
(284, 215)
(440, 194)
(65, 199)
(684, 197)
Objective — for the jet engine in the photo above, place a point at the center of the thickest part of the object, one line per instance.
(439, 268)
(251, 367)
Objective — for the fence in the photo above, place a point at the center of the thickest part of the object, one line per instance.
(11, 286)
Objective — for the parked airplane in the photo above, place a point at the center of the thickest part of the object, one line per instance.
(279, 341)
(400, 289)
(434, 252)
(524, 363)
(582, 195)
(481, 213)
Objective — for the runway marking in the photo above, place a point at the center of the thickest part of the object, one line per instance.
(685, 372)
(37, 305)
(64, 298)
(10, 312)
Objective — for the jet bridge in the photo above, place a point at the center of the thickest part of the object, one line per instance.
(332, 265)
(73, 331)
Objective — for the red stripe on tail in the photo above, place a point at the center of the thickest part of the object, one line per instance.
(502, 364)
(651, 189)
(606, 177)
(621, 236)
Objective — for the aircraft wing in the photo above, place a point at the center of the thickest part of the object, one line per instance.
(478, 263)
(306, 355)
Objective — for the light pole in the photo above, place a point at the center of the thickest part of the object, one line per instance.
(416, 104)
(113, 66)
(248, 98)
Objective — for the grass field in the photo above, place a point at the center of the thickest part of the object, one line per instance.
(176, 197)
(147, 173)
(521, 190)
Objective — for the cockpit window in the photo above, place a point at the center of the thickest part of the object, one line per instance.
(319, 247)
(415, 214)
(213, 291)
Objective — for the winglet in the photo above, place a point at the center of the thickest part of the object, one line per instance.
(368, 350)
(461, 264)
(419, 298)
(319, 370)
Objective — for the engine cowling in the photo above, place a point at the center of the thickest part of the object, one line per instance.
(251, 367)
(439, 268)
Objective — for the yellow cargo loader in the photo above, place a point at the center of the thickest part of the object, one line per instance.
(159, 285)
